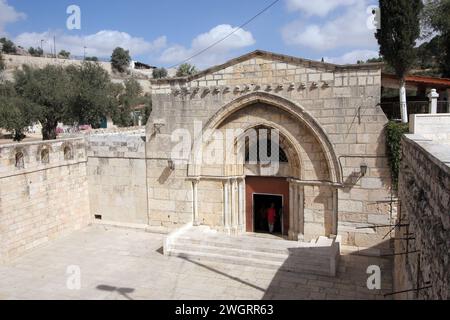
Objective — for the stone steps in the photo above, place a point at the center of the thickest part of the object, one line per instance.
(202, 244)
(293, 266)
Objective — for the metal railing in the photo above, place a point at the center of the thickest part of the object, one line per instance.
(392, 109)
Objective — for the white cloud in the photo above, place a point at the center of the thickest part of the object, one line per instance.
(318, 7)
(348, 30)
(8, 15)
(100, 44)
(353, 57)
(220, 52)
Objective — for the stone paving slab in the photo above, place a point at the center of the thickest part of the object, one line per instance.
(128, 264)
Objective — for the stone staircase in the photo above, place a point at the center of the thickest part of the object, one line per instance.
(319, 257)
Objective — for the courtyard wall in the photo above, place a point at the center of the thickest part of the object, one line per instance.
(41, 199)
(116, 169)
(424, 192)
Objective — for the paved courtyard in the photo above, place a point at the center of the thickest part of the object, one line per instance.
(128, 264)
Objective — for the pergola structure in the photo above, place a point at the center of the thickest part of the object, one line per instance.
(418, 102)
(421, 84)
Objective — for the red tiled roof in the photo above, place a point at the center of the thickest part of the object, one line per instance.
(432, 81)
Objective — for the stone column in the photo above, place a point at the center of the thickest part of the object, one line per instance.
(334, 225)
(291, 210)
(226, 205)
(301, 213)
(234, 206)
(195, 219)
(433, 96)
(295, 210)
(241, 218)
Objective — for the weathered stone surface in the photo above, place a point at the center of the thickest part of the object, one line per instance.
(424, 191)
(41, 200)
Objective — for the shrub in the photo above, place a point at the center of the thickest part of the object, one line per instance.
(394, 133)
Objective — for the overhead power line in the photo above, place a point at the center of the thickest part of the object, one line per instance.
(228, 35)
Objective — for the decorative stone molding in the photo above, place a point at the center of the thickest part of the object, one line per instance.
(246, 88)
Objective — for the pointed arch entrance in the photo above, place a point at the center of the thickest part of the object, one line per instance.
(311, 162)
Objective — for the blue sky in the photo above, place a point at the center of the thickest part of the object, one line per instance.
(164, 33)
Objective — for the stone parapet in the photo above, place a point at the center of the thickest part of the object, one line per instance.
(424, 191)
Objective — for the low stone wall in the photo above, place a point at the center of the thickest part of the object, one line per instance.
(424, 191)
(117, 177)
(43, 193)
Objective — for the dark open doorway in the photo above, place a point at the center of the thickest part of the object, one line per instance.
(261, 203)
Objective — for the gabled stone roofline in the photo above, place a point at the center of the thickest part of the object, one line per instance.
(273, 56)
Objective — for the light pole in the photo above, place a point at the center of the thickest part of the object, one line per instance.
(84, 56)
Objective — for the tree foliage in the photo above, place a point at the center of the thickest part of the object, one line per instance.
(131, 103)
(160, 73)
(77, 94)
(8, 46)
(92, 59)
(400, 28)
(36, 52)
(394, 133)
(47, 88)
(92, 95)
(186, 69)
(437, 17)
(64, 54)
(16, 113)
(120, 59)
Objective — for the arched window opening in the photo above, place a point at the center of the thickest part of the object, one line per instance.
(68, 154)
(20, 160)
(45, 156)
(254, 153)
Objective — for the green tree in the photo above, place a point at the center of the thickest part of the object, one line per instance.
(92, 59)
(132, 101)
(64, 54)
(91, 94)
(16, 113)
(49, 89)
(160, 73)
(429, 55)
(186, 69)
(400, 28)
(120, 59)
(38, 52)
(437, 16)
(375, 60)
(147, 99)
(8, 46)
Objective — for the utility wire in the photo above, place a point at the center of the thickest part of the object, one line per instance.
(229, 35)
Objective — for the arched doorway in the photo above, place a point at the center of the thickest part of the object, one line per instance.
(268, 189)
(305, 182)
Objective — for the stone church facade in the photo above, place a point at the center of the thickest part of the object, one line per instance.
(331, 129)
(333, 179)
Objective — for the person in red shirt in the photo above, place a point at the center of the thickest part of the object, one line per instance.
(271, 214)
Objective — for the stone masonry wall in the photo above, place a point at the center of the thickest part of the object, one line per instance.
(117, 177)
(39, 199)
(424, 191)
